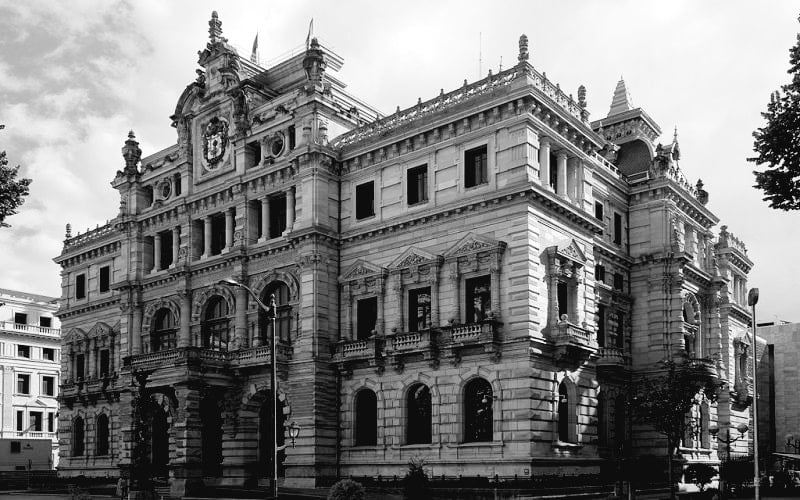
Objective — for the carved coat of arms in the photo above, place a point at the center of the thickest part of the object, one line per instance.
(215, 141)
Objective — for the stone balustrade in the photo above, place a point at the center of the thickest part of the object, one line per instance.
(612, 357)
(10, 326)
(182, 355)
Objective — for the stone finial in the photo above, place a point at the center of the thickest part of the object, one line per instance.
(132, 154)
(582, 96)
(524, 55)
(214, 28)
(68, 232)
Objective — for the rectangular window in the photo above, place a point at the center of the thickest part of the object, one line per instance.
(365, 200)
(48, 386)
(80, 286)
(617, 228)
(290, 133)
(79, 367)
(417, 187)
(23, 383)
(598, 210)
(554, 171)
(176, 181)
(36, 421)
(105, 279)
(48, 354)
(20, 420)
(23, 351)
(479, 298)
(367, 316)
(50, 422)
(217, 233)
(45, 321)
(600, 273)
(252, 154)
(419, 309)
(20, 318)
(476, 168)
(601, 325)
(619, 282)
(563, 300)
(104, 363)
(166, 249)
(277, 216)
(16, 446)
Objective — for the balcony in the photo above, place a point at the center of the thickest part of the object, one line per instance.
(252, 356)
(705, 368)
(10, 326)
(483, 334)
(612, 358)
(572, 341)
(400, 345)
(354, 352)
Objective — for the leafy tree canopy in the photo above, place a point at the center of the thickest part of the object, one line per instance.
(12, 191)
(778, 142)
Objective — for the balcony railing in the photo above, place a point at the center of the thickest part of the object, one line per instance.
(28, 434)
(472, 333)
(31, 329)
(182, 355)
(408, 342)
(354, 350)
(612, 357)
(705, 367)
(571, 340)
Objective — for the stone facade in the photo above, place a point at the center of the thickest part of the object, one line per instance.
(473, 280)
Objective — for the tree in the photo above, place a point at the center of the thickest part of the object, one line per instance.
(12, 191)
(777, 145)
(664, 401)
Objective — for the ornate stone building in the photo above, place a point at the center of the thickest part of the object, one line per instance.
(473, 280)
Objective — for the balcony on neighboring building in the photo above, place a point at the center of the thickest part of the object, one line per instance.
(571, 340)
(612, 358)
(11, 326)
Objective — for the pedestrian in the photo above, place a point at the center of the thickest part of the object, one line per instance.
(122, 488)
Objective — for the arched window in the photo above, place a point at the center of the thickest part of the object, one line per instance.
(216, 325)
(283, 315)
(162, 335)
(418, 424)
(478, 415)
(366, 418)
(563, 413)
(78, 434)
(602, 422)
(101, 435)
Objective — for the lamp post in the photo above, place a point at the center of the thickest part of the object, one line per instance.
(294, 429)
(752, 300)
(728, 440)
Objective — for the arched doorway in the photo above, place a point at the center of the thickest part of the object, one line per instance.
(211, 432)
(265, 438)
(159, 444)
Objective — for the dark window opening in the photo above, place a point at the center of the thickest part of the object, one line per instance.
(283, 312)
(479, 298)
(365, 200)
(600, 273)
(252, 154)
(166, 249)
(367, 317)
(163, 335)
(48, 386)
(198, 238)
(79, 362)
(147, 192)
(23, 351)
(102, 435)
(265, 436)
(619, 282)
(217, 233)
(211, 436)
(598, 210)
(617, 228)
(176, 181)
(77, 437)
(80, 286)
(36, 421)
(105, 364)
(419, 415)
(48, 354)
(50, 422)
(601, 325)
(215, 327)
(20, 420)
(478, 414)
(620, 340)
(554, 171)
(290, 133)
(20, 318)
(366, 418)
(563, 300)
(563, 414)
(602, 424)
(277, 216)
(417, 187)
(45, 322)
(476, 168)
(419, 309)
(23, 384)
(16, 446)
(105, 278)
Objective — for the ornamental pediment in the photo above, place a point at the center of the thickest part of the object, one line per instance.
(570, 250)
(474, 243)
(412, 257)
(98, 330)
(361, 269)
(74, 335)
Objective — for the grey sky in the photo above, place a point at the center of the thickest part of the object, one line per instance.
(76, 76)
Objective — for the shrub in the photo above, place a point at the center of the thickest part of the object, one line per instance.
(416, 484)
(347, 489)
(700, 474)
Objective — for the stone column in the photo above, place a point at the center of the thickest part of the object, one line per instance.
(398, 294)
(579, 175)
(240, 328)
(379, 327)
(91, 354)
(347, 321)
(290, 209)
(156, 252)
(455, 280)
(206, 237)
(228, 229)
(434, 283)
(264, 219)
(495, 287)
(544, 162)
(136, 329)
(561, 166)
(185, 331)
(176, 244)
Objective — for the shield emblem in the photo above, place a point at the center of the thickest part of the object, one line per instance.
(215, 141)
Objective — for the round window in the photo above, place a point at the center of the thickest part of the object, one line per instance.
(276, 146)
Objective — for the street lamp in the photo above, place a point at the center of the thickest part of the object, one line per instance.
(728, 440)
(294, 429)
(752, 300)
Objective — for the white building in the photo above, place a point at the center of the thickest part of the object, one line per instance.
(30, 337)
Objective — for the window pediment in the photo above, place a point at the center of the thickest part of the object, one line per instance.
(570, 250)
(414, 257)
(360, 270)
(473, 243)
(99, 330)
(75, 335)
